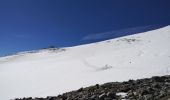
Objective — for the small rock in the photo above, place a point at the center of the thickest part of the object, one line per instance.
(111, 95)
(102, 96)
(107, 98)
(158, 79)
(79, 90)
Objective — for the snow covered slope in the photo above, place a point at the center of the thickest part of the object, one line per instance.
(53, 71)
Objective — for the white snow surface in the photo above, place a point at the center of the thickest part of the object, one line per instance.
(51, 72)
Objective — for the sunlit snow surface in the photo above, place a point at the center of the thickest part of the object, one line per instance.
(51, 72)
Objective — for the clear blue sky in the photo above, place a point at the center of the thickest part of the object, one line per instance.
(34, 24)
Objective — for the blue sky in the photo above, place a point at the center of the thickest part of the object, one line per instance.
(35, 24)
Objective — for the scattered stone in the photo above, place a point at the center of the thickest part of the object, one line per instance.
(155, 88)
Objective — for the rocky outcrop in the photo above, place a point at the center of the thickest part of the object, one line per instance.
(155, 88)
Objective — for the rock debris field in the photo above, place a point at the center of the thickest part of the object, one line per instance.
(155, 88)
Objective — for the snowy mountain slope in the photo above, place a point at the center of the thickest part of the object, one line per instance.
(50, 72)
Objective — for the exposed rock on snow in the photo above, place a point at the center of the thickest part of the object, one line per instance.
(106, 67)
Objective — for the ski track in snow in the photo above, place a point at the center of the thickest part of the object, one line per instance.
(51, 72)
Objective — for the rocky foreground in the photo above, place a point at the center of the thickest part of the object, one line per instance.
(155, 88)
